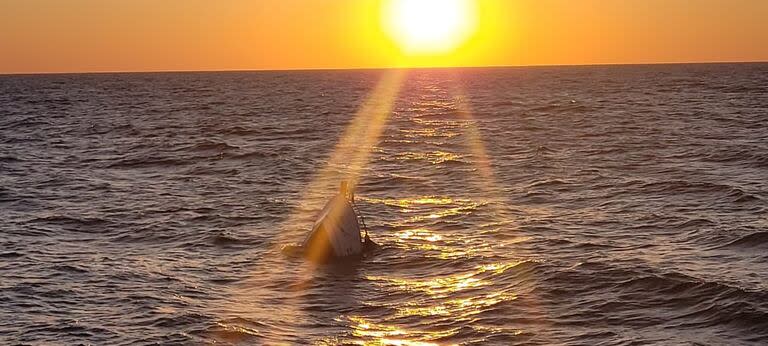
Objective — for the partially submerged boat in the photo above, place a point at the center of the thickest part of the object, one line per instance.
(337, 232)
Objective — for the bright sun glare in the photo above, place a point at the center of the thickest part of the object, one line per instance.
(429, 26)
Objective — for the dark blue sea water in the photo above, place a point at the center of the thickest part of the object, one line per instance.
(615, 205)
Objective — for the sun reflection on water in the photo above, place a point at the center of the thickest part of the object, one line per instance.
(409, 202)
(419, 234)
(454, 231)
(465, 209)
(458, 298)
(447, 284)
(428, 133)
(374, 334)
(433, 157)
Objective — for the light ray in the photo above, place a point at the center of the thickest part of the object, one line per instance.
(353, 150)
(488, 183)
(347, 162)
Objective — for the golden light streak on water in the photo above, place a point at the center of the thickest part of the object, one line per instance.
(409, 202)
(459, 297)
(455, 295)
(462, 295)
(380, 334)
(419, 234)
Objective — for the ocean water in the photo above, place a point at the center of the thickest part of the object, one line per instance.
(613, 205)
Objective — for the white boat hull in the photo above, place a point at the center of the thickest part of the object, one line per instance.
(336, 233)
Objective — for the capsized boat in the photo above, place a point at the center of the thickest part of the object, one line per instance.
(336, 233)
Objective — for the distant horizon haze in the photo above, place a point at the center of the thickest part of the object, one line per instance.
(414, 68)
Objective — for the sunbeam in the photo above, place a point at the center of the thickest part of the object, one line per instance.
(351, 154)
(488, 183)
(347, 162)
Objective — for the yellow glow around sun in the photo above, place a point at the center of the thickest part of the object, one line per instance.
(429, 26)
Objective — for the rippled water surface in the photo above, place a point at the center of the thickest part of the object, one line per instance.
(619, 205)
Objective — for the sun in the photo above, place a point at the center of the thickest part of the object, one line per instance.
(429, 26)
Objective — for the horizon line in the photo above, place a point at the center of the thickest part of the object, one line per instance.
(320, 69)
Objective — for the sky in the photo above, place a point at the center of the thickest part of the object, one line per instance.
(39, 36)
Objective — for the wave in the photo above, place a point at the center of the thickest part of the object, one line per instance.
(686, 186)
(240, 131)
(751, 156)
(695, 224)
(739, 196)
(508, 103)
(147, 162)
(9, 159)
(69, 269)
(640, 292)
(572, 107)
(69, 329)
(25, 123)
(558, 185)
(742, 89)
(750, 241)
(73, 223)
(569, 245)
(208, 145)
(171, 322)
(239, 330)
(225, 239)
(251, 155)
(385, 183)
(232, 333)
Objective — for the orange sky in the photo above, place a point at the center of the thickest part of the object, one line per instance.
(152, 35)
